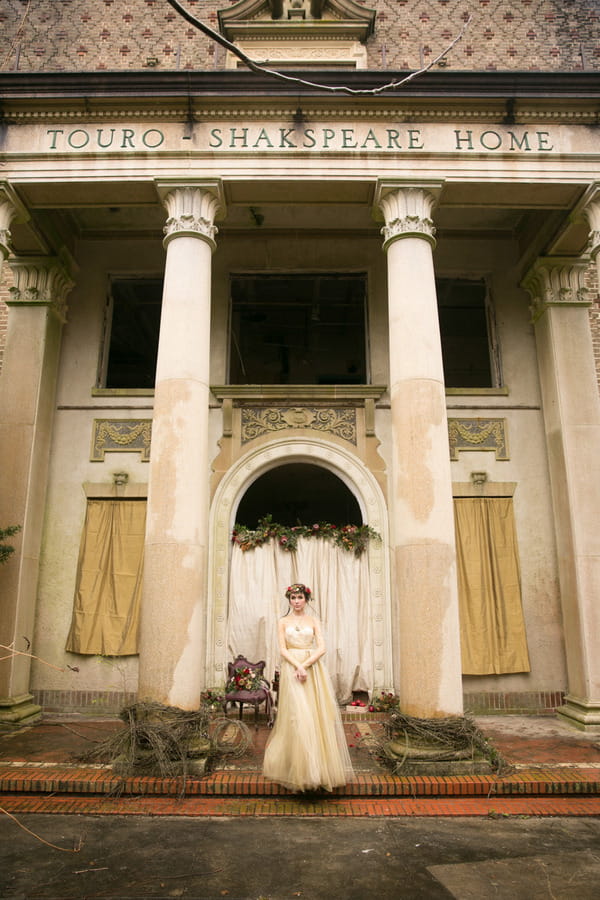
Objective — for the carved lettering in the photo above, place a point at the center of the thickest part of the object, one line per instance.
(276, 137)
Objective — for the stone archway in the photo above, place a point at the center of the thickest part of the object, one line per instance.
(231, 489)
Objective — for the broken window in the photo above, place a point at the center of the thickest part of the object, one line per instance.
(298, 329)
(133, 325)
(466, 326)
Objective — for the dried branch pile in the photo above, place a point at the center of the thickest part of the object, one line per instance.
(449, 739)
(167, 741)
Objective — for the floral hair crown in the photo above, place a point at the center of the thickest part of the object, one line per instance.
(298, 588)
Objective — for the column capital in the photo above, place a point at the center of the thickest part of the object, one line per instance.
(40, 281)
(407, 206)
(192, 208)
(557, 281)
(10, 208)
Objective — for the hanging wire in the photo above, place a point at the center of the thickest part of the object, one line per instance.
(262, 69)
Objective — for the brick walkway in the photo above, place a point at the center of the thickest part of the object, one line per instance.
(552, 771)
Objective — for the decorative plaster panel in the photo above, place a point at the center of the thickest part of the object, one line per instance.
(478, 434)
(258, 421)
(121, 435)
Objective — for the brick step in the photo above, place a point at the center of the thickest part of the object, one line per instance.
(69, 780)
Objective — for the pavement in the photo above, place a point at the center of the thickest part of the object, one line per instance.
(77, 831)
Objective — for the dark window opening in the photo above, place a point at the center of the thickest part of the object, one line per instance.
(298, 329)
(465, 333)
(299, 494)
(134, 310)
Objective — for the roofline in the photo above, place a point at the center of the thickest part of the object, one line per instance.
(443, 84)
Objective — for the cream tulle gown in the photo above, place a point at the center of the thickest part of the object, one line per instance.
(307, 748)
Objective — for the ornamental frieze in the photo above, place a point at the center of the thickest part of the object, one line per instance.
(121, 435)
(258, 421)
(478, 434)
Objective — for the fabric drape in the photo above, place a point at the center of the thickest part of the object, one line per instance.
(109, 579)
(493, 639)
(340, 585)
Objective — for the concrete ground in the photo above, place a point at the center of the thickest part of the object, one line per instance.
(121, 858)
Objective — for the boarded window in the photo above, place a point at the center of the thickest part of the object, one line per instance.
(109, 579)
(492, 627)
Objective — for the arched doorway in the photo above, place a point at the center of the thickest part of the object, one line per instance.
(358, 493)
(299, 493)
(291, 495)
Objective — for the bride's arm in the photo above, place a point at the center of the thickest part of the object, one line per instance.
(319, 650)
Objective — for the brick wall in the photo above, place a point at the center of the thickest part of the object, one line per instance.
(73, 35)
(5, 282)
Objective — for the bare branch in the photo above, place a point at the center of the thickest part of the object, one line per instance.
(75, 849)
(11, 653)
(262, 69)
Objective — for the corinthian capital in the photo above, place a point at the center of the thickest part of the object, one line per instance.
(407, 211)
(557, 281)
(191, 209)
(40, 281)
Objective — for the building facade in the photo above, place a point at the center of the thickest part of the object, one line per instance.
(325, 289)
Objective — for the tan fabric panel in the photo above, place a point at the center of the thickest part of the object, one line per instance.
(109, 579)
(493, 639)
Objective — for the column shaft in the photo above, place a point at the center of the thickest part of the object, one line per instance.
(173, 609)
(571, 408)
(421, 499)
(27, 402)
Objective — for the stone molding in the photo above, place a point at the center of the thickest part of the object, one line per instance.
(11, 208)
(591, 211)
(557, 281)
(40, 281)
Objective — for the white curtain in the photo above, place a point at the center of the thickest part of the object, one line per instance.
(340, 586)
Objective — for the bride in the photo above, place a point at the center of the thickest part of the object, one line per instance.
(307, 748)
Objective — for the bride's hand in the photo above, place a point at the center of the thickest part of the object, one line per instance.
(301, 674)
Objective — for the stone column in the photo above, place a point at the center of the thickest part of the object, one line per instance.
(173, 620)
(427, 642)
(27, 401)
(571, 409)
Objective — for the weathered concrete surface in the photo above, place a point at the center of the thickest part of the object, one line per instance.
(266, 859)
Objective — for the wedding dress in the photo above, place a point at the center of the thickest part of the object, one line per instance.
(307, 748)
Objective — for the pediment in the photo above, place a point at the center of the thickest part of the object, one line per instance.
(261, 19)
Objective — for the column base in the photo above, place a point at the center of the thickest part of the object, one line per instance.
(17, 712)
(582, 714)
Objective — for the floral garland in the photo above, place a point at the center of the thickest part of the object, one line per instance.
(354, 538)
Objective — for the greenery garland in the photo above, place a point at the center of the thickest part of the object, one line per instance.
(6, 549)
(354, 538)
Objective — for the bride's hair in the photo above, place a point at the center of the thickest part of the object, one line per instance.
(299, 589)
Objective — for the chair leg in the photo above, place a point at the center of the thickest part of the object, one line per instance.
(241, 708)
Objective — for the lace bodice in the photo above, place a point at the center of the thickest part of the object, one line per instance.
(299, 638)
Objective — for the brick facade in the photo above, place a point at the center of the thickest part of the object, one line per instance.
(79, 35)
